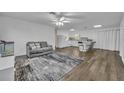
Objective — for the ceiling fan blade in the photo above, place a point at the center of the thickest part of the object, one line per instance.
(54, 20)
(74, 15)
(56, 14)
(62, 18)
(66, 21)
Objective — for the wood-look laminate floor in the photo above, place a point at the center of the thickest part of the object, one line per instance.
(98, 65)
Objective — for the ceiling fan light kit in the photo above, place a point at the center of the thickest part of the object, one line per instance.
(59, 23)
(59, 18)
(97, 26)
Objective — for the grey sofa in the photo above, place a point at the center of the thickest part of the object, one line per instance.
(34, 49)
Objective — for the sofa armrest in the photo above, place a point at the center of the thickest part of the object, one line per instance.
(50, 47)
(28, 50)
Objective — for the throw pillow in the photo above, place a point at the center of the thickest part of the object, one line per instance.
(32, 46)
(37, 45)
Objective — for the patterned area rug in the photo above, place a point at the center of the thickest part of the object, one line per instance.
(50, 67)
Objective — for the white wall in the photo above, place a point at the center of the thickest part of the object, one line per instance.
(122, 39)
(21, 32)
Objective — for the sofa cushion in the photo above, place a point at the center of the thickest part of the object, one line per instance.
(37, 44)
(43, 44)
(32, 46)
(40, 50)
(37, 50)
(49, 48)
(46, 49)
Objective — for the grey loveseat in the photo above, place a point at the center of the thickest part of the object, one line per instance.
(34, 49)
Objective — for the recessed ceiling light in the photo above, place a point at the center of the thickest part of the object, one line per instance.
(72, 29)
(97, 26)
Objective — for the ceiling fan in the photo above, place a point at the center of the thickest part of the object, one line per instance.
(59, 18)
